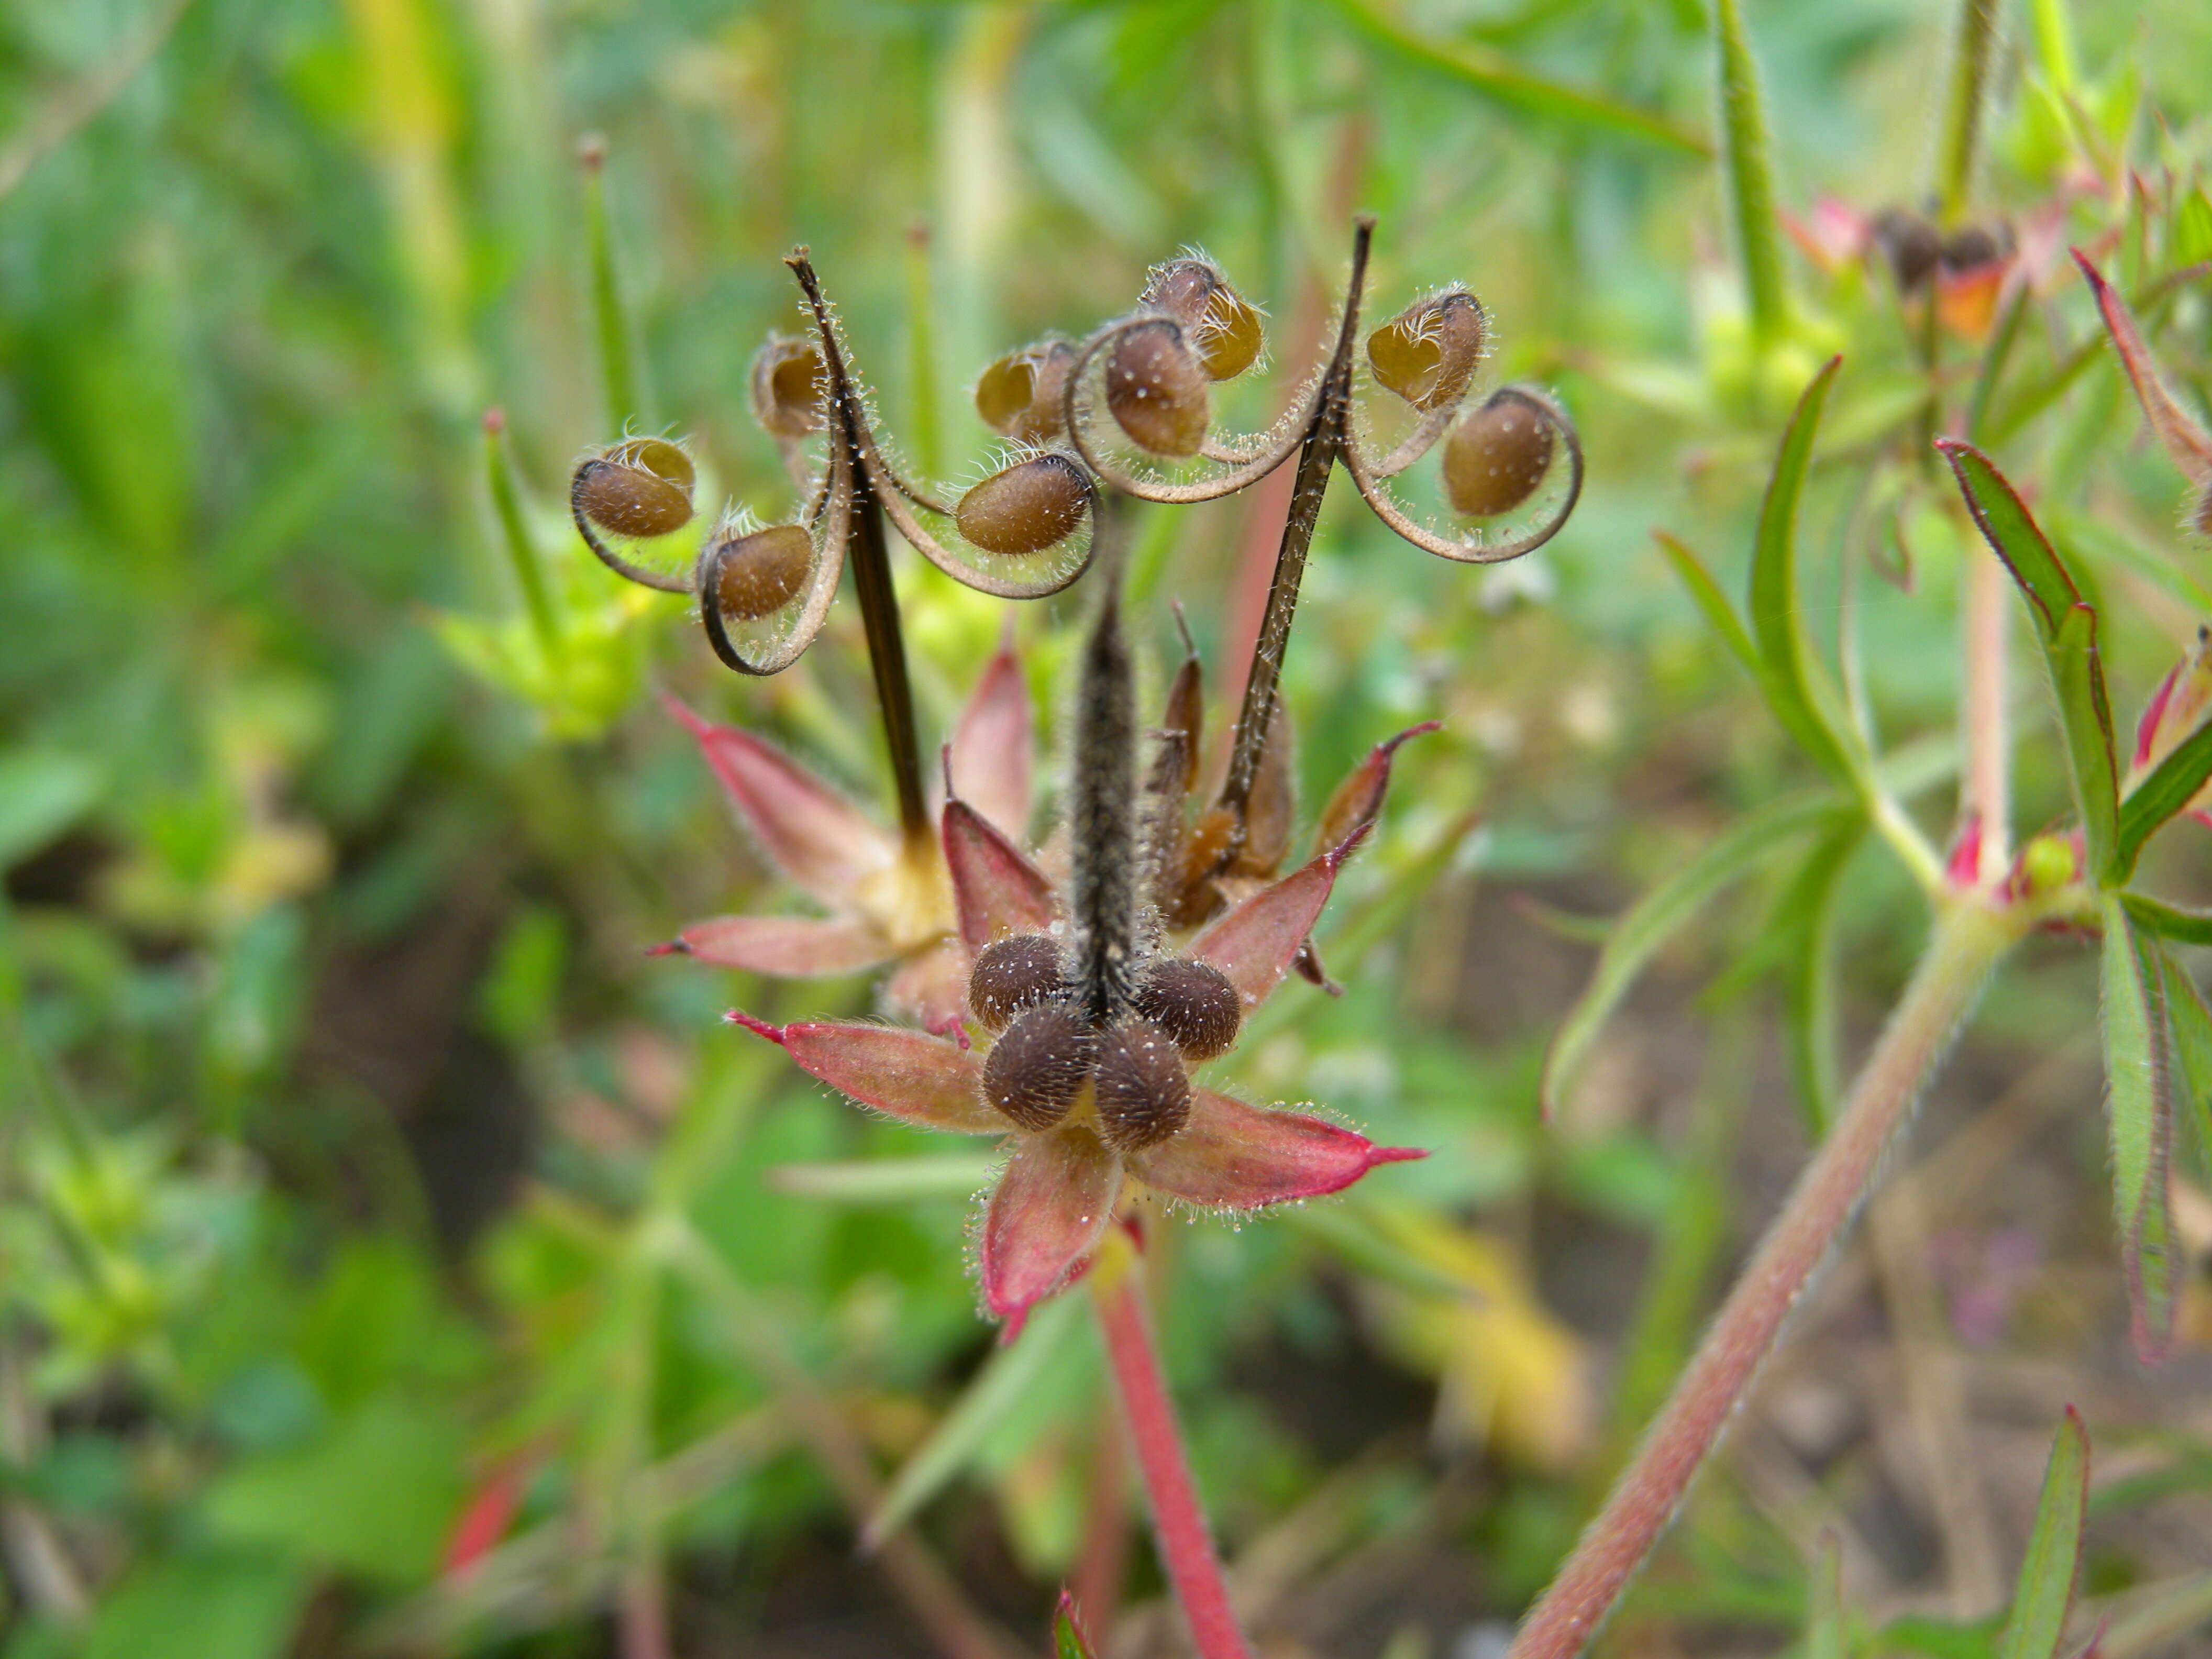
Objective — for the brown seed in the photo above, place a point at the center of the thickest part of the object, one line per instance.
(1020, 394)
(756, 575)
(1910, 243)
(1194, 1004)
(1428, 353)
(1035, 1070)
(1497, 455)
(1026, 508)
(639, 489)
(1144, 1091)
(1156, 390)
(788, 386)
(1011, 976)
(1225, 329)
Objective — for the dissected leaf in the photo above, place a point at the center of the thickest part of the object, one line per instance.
(2051, 1569)
(2139, 1099)
(1654, 917)
(1719, 614)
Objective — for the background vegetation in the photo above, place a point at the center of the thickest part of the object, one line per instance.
(341, 1103)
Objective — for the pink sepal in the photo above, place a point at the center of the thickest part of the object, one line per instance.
(1051, 1204)
(932, 986)
(995, 889)
(908, 1075)
(1359, 800)
(1256, 942)
(1234, 1157)
(810, 832)
(795, 946)
(994, 745)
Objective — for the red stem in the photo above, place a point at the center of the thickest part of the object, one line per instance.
(1186, 1545)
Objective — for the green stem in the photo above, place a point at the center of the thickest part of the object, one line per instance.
(1969, 941)
(1745, 153)
(617, 377)
(521, 550)
(1962, 112)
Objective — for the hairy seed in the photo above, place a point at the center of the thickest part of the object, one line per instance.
(639, 489)
(1026, 507)
(1428, 353)
(1144, 1091)
(1194, 1004)
(788, 379)
(1156, 390)
(1011, 976)
(1220, 323)
(1020, 394)
(1497, 455)
(1035, 1070)
(756, 575)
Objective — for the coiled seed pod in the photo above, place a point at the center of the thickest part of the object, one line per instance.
(757, 575)
(1194, 1004)
(787, 381)
(642, 488)
(1011, 976)
(1020, 394)
(1155, 389)
(1035, 1070)
(1428, 353)
(1224, 327)
(1497, 455)
(1144, 1091)
(1026, 507)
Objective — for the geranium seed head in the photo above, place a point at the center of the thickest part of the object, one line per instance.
(1194, 1003)
(1020, 394)
(757, 575)
(1497, 455)
(1428, 353)
(1026, 507)
(1155, 389)
(1225, 329)
(788, 386)
(640, 488)
(1037, 1069)
(1011, 976)
(1144, 1089)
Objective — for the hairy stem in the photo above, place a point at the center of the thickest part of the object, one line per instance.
(1186, 1545)
(1102, 810)
(1969, 938)
(879, 619)
(1745, 157)
(1984, 786)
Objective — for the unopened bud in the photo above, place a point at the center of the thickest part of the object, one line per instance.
(757, 575)
(1497, 455)
(1034, 1070)
(1194, 1004)
(1156, 390)
(1013, 976)
(1026, 508)
(2182, 704)
(787, 381)
(1428, 353)
(639, 489)
(1020, 394)
(1143, 1090)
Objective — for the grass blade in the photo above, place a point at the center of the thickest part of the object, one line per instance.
(1778, 623)
(1720, 615)
(1654, 919)
(2067, 628)
(1750, 175)
(2138, 1080)
(2171, 786)
(2051, 1569)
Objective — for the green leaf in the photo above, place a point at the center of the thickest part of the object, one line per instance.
(2067, 626)
(1004, 1381)
(2052, 1567)
(1494, 76)
(1808, 912)
(2169, 921)
(2192, 1042)
(199, 1608)
(1068, 1641)
(1720, 615)
(2139, 1099)
(42, 792)
(2171, 786)
(1750, 175)
(1777, 619)
(1653, 920)
(1824, 1621)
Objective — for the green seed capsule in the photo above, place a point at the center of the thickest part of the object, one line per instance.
(1144, 1091)
(1011, 976)
(1020, 394)
(788, 386)
(1428, 353)
(756, 575)
(1026, 507)
(1194, 1004)
(1035, 1070)
(1497, 455)
(639, 489)
(1155, 389)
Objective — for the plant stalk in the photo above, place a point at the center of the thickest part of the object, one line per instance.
(618, 378)
(521, 550)
(1985, 780)
(1186, 1545)
(1969, 938)
(1962, 114)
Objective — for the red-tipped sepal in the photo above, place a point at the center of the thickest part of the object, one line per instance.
(1358, 801)
(994, 745)
(1256, 942)
(792, 946)
(908, 1075)
(996, 890)
(1234, 1157)
(1051, 1204)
